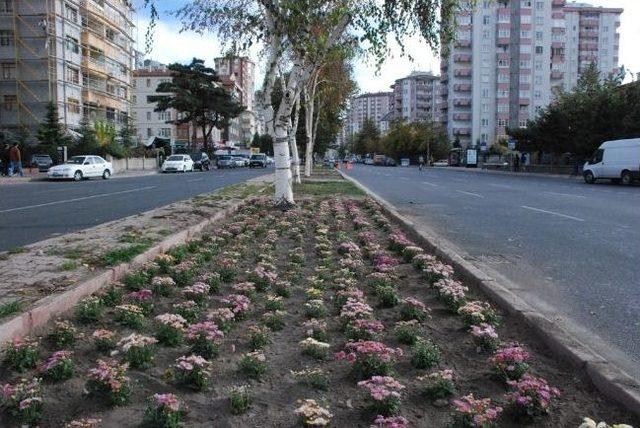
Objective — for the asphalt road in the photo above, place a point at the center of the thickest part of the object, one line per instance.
(31, 212)
(571, 247)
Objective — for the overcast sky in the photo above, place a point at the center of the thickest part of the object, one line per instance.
(172, 46)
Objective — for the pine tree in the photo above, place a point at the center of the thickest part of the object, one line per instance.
(51, 133)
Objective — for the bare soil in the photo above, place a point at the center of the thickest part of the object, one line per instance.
(276, 396)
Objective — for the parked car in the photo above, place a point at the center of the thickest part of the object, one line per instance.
(389, 161)
(270, 160)
(441, 162)
(368, 161)
(258, 161)
(245, 157)
(178, 163)
(617, 160)
(226, 161)
(405, 162)
(240, 161)
(42, 162)
(80, 167)
(201, 161)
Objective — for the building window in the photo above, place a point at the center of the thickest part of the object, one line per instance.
(149, 132)
(148, 83)
(539, 35)
(165, 132)
(148, 115)
(73, 106)
(539, 49)
(484, 121)
(72, 45)
(6, 6)
(8, 71)
(72, 13)
(134, 83)
(486, 20)
(6, 38)
(134, 99)
(10, 102)
(537, 95)
(73, 75)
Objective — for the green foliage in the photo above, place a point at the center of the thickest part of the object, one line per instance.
(425, 354)
(51, 132)
(240, 401)
(368, 139)
(264, 142)
(123, 255)
(196, 92)
(579, 121)
(10, 308)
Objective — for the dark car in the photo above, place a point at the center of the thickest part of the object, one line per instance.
(42, 162)
(201, 161)
(258, 161)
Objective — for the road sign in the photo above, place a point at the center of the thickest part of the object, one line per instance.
(512, 144)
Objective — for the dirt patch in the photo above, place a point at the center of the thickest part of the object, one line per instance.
(301, 247)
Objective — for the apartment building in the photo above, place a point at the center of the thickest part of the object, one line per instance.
(76, 53)
(416, 98)
(241, 71)
(150, 124)
(375, 106)
(508, 60)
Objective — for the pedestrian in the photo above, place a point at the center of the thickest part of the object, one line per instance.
(516, 163)
(523, 161)
(420, 162)
(15, 160)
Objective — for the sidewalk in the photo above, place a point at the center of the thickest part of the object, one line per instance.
(512, 173)
(42, 176)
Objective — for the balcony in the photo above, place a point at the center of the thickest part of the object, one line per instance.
(589, 47)
(462, 116)
(524, 101)
(462, 87)
(556, 74)
(462, 102)
(558, 3)
(462, 43)
(102, 99)
(461, 131)
(462, 58)
(589, 22)
(462, 72)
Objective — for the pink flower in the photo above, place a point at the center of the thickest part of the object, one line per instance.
(208, 329)
(390, 422)
(170, 401)
(381, 388)
(141, 295)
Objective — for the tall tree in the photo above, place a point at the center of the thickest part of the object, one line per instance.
(288, 31)
(196, 92)
(51, 132)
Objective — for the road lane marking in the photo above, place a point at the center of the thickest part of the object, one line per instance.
(470, 194)
(101, 195)
(564, 194)
(430, 184)
(552, 213)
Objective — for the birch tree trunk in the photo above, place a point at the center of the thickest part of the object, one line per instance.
(309, 113)
(295, 163)
(283, 182)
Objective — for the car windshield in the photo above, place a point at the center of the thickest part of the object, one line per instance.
(76, 160)
(196, 156)
(224, 157)
(174, 158)
(259, 157)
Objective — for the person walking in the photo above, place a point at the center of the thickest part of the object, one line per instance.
(516, 163)
(523, 161)
(420, 162)
(15, 160)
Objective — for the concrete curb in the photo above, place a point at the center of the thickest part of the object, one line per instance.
(511, 173)
(49, 307)
(609, 379)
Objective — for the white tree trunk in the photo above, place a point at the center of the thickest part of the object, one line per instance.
(284, 190)
(295, 157)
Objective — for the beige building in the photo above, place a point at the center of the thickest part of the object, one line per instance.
(78, 54)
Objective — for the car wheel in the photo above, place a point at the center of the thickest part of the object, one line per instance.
(77, 176)
(627, 178)
(106, 174)
(589, 177)
(184, 169)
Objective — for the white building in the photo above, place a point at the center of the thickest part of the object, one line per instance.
(76, 54)
(240, 71)
(374, 106)
(416, 98)
(149, 123)
(508, 59)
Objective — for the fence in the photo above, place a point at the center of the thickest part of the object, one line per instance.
(134, 164)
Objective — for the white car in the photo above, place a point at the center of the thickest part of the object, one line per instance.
(441, 162)
(79, 167)
(240, 161)
(178, 163)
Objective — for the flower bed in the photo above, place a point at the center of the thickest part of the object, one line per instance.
(241, 326)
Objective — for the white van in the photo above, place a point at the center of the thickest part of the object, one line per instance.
(617, 160)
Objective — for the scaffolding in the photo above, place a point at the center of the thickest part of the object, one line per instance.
(43, 55)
